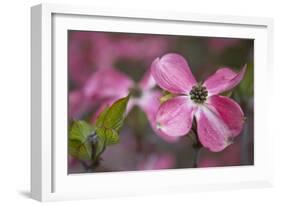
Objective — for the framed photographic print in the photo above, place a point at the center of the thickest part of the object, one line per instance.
(135, 102)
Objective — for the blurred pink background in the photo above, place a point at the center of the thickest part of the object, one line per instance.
(106, 66)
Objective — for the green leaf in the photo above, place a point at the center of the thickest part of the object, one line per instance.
(246, 86)
(79, 146)
(80, 130)
(109, 135)
(101, 117)
(100, 145)
(245, 89)
(109, 123)
(113, 117)
(80, 150)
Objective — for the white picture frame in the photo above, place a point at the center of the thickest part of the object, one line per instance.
(49, 178)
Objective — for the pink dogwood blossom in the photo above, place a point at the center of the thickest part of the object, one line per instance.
(110, 85)
(219, 119)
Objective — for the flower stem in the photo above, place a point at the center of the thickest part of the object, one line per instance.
(196, 144)
(90, 167)
(197, 151)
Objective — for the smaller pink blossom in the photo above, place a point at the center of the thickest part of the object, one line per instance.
(109, 85)
(219, 119)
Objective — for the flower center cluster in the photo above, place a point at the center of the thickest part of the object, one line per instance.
(198, 94)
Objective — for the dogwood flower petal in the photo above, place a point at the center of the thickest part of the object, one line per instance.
(108, 83)
(150, 103)
(172, 73)
(218, 122)
(223, 80)
(212, 131)
(229, 111)
(147, 82)
(174, 117)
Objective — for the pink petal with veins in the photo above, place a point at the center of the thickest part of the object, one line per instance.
(172, 73)
(229, 111)
(150, 103)
(219, 122)
(213, 133)
(223, 80)
(174, 117)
